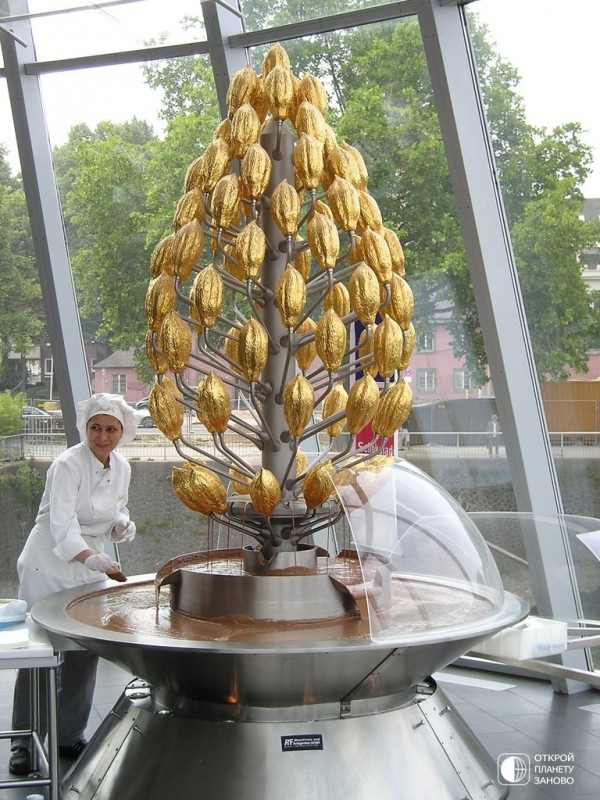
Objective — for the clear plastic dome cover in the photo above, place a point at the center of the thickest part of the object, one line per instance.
(425, 565)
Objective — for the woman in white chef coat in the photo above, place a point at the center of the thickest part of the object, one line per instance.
(84, 504)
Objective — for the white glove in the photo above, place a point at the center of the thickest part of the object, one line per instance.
(99, 562)
(124, 530)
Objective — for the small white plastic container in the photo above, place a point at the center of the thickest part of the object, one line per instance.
(534, 637)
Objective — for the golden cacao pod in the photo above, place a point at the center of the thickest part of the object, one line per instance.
(330, 141)
(193, 175)
(213, 404)
(160, 300)
(245, 125)
(225, 205)
(308, 161)
(189, 207)
(344, 201)
(300, 462)
(255, 171)
(318, 484)
(365, 350)
(231, 348)
(187, 247)
(157, 361)
(330, 340)
(241, 89)
(310, 88)
(333, 403)
(323, 240)
(376, 254)
(215, 163)
(207, 295)
(250, 249)
(393, 409)
(275, 57)
(387, 347)
(224, 130)
(199, 489)
(162, 257)
(323, 208)
(175, 342)
(166, 409)
(260, 101)
(362, 402)
(410, 337)
(239, 482)
(360, 164)
(364, 293)
(402, 303)
(303, 260)
(338, 298)
(343, 164)
(279, 89)
(253, 349)
(309, 120)
(298, 404)
(356, 252)
(370, 214)
(265, 492)
(396, 251)
(306, 354)
(290, 296)
(231, 264)
(285, 208)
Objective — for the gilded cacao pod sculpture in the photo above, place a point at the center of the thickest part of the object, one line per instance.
(213, 404)
(409, 336)
(285, 208)
(166, 409)
(330, 340)
(344, 201)
(186, 249)
(362, 402)
(160, 300)
(279, 90)
(265, 492)
(157, 361)
(337, 298)
(393, 409)
(175, 342)
(298, 404)
(162, 257)
(275, 57)
(309, 120)
(311, 89)
(306, 353)
(207, 295)
(255, 171)
(318, 484)
(241, 89)
(290, 296)
(226, 197)
(387, 347)
(199, 489)
(250, 249)
(245, 126)
(396, 251)
(323, 240)
(308, 161)
(253, 349)
(333, 403)
(363, 288)
(376, 254)
(215, 163)
(189, 207)
(402, 303)
(365, 350)
(360, 164)
(370, 215)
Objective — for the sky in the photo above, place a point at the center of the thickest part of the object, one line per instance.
(551, 43)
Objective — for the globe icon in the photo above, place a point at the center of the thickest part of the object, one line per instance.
(514, 769)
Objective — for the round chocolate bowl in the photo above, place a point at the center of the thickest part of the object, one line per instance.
(317, 645)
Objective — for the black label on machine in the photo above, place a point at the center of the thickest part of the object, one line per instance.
(305, 741)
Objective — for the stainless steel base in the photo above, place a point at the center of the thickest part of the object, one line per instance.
(420, 749)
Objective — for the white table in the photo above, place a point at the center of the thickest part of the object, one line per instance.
(39, 656)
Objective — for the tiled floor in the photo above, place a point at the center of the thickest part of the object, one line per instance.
(508, 715)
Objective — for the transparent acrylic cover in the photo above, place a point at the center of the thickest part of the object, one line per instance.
(425, 565)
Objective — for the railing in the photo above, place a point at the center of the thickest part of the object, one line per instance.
(150, 444)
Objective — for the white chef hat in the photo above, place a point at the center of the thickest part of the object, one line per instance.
(114, 406)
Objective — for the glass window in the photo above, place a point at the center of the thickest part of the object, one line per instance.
(119, 384)
(426, 380)
(48, 367)
(462, 380)
(425, 342)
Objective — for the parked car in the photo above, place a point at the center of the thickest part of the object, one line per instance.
(143, 403)
(145, 420)
(36, 419)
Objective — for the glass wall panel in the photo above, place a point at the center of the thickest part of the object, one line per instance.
(549, 167)
(260, 14)
(108, 28)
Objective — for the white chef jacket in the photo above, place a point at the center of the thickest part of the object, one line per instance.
(81, 503)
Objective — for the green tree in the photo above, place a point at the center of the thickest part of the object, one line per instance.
(10, 413)
(21, 310)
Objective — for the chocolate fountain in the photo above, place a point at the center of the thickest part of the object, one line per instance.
(292, 658)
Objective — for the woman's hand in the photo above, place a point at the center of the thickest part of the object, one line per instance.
(99, 562)
(124, 531)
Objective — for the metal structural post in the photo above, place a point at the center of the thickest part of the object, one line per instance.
(222, 22)
(45, 216)
(497, 293)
